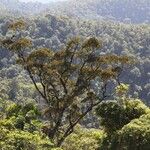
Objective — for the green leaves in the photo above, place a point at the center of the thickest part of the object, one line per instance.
(126, 125)
(20, 129)
(83, 139)
(136, 134)
(122, 89)
(16, 139)
(114, 116)
(12, 110)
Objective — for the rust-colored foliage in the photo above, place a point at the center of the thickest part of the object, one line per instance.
(17, 25)
(20, 44)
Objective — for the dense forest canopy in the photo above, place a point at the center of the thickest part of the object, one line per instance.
(103, 45)
(52, 32)
(135, 11)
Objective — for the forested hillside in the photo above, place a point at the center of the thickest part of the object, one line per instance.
(75, 75)
(135, 11)
(52, 32)
(15, 7)
(128, 11)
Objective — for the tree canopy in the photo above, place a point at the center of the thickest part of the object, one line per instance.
(64, 78)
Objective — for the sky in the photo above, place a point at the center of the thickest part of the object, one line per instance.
(43, 1)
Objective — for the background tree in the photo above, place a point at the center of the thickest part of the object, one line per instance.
(65, 78)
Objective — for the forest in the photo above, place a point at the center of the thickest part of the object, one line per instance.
(75, 79)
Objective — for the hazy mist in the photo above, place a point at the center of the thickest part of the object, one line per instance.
(42, 1)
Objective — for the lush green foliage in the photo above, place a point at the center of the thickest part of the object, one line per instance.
(115, 116)
(135, 135)
(17, 133)
(123, 125)
(13, 139)
(83, 139)
(20, 128)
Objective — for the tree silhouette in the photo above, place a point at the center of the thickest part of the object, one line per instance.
(65, 78)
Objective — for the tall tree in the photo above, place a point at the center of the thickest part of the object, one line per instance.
(65, 78)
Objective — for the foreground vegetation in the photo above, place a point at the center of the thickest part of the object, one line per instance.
(123, 127)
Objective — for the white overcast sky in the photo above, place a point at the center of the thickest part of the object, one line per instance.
(43, 1)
